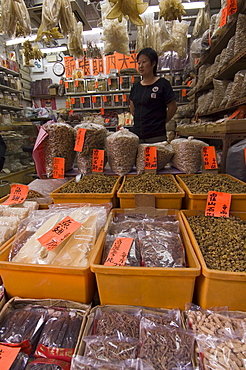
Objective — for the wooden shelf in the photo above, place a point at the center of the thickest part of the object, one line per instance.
(7, 88)
(10, 107)
(96, 109)
(224, 110)
(10, 71)
(99, 92)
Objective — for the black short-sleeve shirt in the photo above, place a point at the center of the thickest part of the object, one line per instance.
(150, 107)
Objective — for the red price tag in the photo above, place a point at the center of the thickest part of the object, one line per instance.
(96, 84)
(61, 82)
(218, 204)
(73, 100)
(58, 167)
(183, 92)
(231, 7)
(66, 84)
(8, 355)
(121, 80)
(223, 18)
(234, 114)
(17, 195)
(70, 112)
(124, 97)
(133, 79)
(76, 83)
(97, 160)
(128, 121)
(109, 81)
(119, 251)
(107, 120)
(102, 111)
(67, 104)
(150, 154)
(116, 98)
(93, 99)
(80, 139)
(82, 99)
(189, 83)
(209, 158)
(104, 98)
(61, 231)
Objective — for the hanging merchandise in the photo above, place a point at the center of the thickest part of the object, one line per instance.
(132, 8)
(67, 20)
(171, 10)
(15, 12)
(75, 45)
(93, 51)
(145, 34)
(202, 22)
(178, 39)
(115, 34)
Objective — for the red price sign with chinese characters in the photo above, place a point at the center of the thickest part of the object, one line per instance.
(17, 195)
(209, 158)
(61, 231)
(97, 160)
(231, 7)
(80, 139)
(223, 18)
(119, 251)
(150, 158)
(218, 204)
(58, 167)
(70, 66)
(7, 356)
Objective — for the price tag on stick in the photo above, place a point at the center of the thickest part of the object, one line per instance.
(150, 158)
(17, 195)
(209, 158)
(97, 160)
(7, 356)
(119, 251)
(80, 139)
(58, 167)
(61, 231)
(218, 204)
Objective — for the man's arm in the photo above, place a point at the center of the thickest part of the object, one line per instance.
(171, 110)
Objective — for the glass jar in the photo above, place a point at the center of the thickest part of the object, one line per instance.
(177, 79)
(79, 84)
(90, 84)
(108, 101)
(12, 82)
(101, 84)
(7, 98)
(113, 83)
(125, 82)
(6, 117)
(17, 83)
(15, 100)
(1, 98)
(2, 82)
(5, 79)
(70, 86)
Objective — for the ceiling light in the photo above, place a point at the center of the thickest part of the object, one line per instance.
(192, 5)
(20, 40)
(94, 31)
(54, 50)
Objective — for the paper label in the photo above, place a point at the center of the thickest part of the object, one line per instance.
(17, 195)
(150, 158)
(183, 92)
(218, 204)
(76, 83)
(96, 84)
(132, 79)
(61, 231)
(223, 18)
(102, 111)
(116, 98)
(7, 356)
(80, 139)
(82, 99)
(58, 168)
(70, 66)
(38, 153)
(209, 158)
(97, 160)
(70, 112)
(66, 84)
(67, 104)
(189, 83)
(61, 82)
(72, 100)
(119, 251)
(109, 81)
(93, 99)
(234, 114)
(104, 98)
(231, 7)
(107, 120)
(121, 80)
(128, 121)
(124, 98)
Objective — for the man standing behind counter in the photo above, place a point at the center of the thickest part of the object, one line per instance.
(152, 100)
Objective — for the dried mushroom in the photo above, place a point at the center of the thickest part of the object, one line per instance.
(150, 183)
(90, 184)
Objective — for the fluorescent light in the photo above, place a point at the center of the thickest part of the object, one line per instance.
(192, 5)
(94, 31)
(20, 40)
(54, 50)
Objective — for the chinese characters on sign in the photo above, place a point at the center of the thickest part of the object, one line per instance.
(7, 356)
(218, 204)
(97, 160)
(80, 138)
(58, 167)
(209, 158)
(150, 158)
(70, 66)
(17, 195)
(231, 7)
(61, 231)
(119, 251)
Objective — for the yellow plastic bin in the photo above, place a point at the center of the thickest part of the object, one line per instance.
(194, 201)
(162, 200)
(214, 287)
(146, 286)
(45, 281)
(95, 198)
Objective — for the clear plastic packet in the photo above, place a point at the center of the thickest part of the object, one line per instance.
(66, 18)
(129, 226)
(171, 9)
(237, 89)
(95, 136)
(240, 41)
(59, 335)
(211, 322)
(20, 362)
(238, 321)
(16, 211)
(229, 51)
(207, 102)
(220, 87)
(121, 148)
(221, 353)
(110, 321)
(75, 45)
(235, 161)
(15, 11)
(178, 39)
(59, 143)
(115, 348)
(48, 364)
(39, 190)
(115, 35)
(164, 317)
(50, 14)
(21, 327)
(187, 154)
(161, 249)
(88, 363)
(145, 35)
(134, 255)
(227, 94)
(164, 154)
(165, 347)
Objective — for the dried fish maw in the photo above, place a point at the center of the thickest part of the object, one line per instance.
(132, 8)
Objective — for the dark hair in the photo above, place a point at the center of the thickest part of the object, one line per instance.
(152, 55)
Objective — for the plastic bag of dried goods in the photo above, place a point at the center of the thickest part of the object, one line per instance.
(226, 94)
(164, 154)
(20, 362)
(15, 11)
(202, 22)
(115, 35)
(218, 30)
(237, 90)
(229, 51)
(75, 45)
(171, 10)
(50, 14)
(207, 102)
(82, 362)
(220, 87)
(66, 18)
(114, 348)
(145, 35)
(240, 40)
(59, 143)
(187, 154)
(95, 136)
(165, 317)
(48, 364)
(121, 148)
(178, 40)
(235, 161)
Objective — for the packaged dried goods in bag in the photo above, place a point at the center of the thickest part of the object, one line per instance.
(75, 45)
(187, 154)
(238, 88)
(66, 18)
(220, 87)
(171, 9)
(227, 94)
(121, 148)
(50, 14)
(82, 362)
(15, 17)
(59, 143)
(240, 41)
(164, 155)
(235, 161)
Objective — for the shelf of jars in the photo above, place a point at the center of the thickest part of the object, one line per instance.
(10, 89)
(106, 92)
(4, 106)
(98, 109)
(10, 71)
